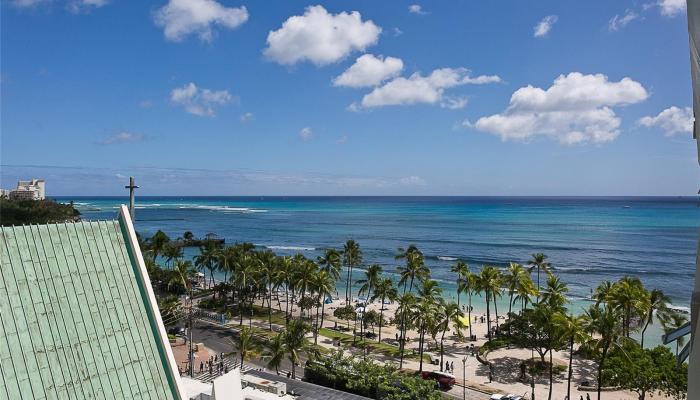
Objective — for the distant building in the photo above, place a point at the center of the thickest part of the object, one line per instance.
(34, 189)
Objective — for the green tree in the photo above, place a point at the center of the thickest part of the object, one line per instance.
(488, 281)
(245, 345)
(331, 263)
(384, 290)
(646, 371)
(352, 257)
(604, 325)
(658, 305)
(324, 285)
(371, 278)
(539, 263)
(414, 269)
(275, 352)
(572, 329)
(462, 270)
(157, 243)
(207, 259)
(629, 296)
(449, 313)
(295, 342)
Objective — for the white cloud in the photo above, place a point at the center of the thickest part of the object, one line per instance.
(369, 70)
(416, 9)
(672, 120)
(247, 117)
(306, 134)
(123, 137)
(412, 181)
(671, 8)
(199, 101)
(544, 26)
(181, 18)
(618, 22)
(419, 89)
(320, 37)
(454, 103)
(342, 140)
(575, 109)
(397, 31)
(145, 104)
(78, 6)
(29, 3)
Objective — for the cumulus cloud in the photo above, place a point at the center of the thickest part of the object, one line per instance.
(181, 18)
(672, 121)
(199, 101)
(575, 109)
(78, 6)
(247, 117)
(416, 9)
(543, 27)
(29, 3)
(369, 70)
(419, 89)
(123, 137)
(320, 37)
(306, 134)
(412, 180)
(671, 8)
(618, 22)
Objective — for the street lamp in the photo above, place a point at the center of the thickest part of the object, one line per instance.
(464, 377)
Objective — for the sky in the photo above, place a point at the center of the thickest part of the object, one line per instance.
(205, 97)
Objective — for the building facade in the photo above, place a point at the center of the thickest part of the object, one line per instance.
(34, 189)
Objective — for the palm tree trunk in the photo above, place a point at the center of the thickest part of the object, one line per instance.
(269, 304)
(286, 311)
(495, 305)
(420, 348)
(571, 360)
(469, 311)
(317, 327)
(549, 397)
(323, 312)
(381, 319)
(488, 315)
(646, 325)
(600, 370)
(442, 339)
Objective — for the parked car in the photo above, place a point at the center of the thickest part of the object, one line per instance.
(443, 379)
(505, 397)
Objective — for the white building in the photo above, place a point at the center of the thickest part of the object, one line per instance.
(34, 189)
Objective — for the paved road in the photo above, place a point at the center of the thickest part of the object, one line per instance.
(219, 339)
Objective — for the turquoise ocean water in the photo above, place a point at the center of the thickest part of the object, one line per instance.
(588, 240)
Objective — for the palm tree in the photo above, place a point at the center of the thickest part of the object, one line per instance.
(629, 296)
(306, 270)
(208, 258)
(573, 330)
(245, 345)
(352, 257)
(406, 303)
(488, 281)
(658, 304)
(539, 262)
(449, 313)
(275, 352)
(514, 279)
(247, 269)
(462, 270)
(602, 292)
(469, 284)
(157, 243)
(604, 323)
(295, 342)
(425, 312)
(372, 276)
(383, 290)
(183, 275)
(285, 275)
(171, 253)
(414, 269)
(324, 285)
(554, 294)
(331, 263)
(268, 261)
(673, 322)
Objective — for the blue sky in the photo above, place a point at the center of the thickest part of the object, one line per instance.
(339, 98)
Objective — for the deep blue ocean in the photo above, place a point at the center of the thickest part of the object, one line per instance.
(588, 240)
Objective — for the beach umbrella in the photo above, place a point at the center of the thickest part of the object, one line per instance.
(464, 321)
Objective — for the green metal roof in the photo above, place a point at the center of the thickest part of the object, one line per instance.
(77, 318)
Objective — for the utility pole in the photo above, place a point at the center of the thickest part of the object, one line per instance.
(131, 188)
(191, 354)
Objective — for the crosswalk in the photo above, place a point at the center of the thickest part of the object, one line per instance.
(230, 363)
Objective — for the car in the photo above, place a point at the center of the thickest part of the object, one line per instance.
(498, 397)
(443, 379)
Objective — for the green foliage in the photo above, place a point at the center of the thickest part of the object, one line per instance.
(646, 371)
(369, 378)
(25, 212)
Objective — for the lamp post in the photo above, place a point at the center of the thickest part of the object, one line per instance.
(464, 377)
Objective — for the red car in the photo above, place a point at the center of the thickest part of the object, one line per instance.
(445, 380)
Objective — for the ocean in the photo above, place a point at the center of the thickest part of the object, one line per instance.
(587, 240)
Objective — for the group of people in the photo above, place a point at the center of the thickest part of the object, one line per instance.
(449, 366)
(215, 362)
